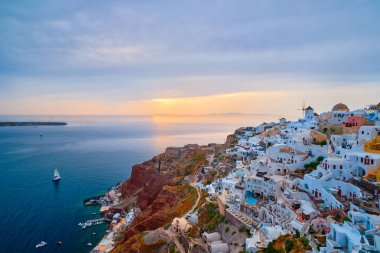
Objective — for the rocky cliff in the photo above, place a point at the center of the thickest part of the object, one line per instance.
(159, 187)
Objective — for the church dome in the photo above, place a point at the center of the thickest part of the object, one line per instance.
(340, 107)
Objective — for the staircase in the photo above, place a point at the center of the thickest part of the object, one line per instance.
(370, 239)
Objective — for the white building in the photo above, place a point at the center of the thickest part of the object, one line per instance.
(321, 185)
(181, 225)
(341, 168)
(343, 236)
(282, 153)
(267, 186)
(367, 163)
(368, 132)
(309, 114)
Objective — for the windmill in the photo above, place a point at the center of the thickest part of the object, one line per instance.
(303, 109)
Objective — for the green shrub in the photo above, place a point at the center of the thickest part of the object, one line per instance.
(346, 218)
(210, 216)
(304, 241)
(309, 167)
(289, 245)
(171, 249)
(270, 248)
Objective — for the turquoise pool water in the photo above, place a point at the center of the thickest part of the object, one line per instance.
(249, 198)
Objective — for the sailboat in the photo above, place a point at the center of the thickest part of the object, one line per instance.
(56, 177)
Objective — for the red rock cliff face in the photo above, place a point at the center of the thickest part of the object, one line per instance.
(145, 183)
(147, 179)
(156, 187)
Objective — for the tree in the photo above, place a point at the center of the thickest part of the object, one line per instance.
(304, 241)
(270, 248)
(289, 245)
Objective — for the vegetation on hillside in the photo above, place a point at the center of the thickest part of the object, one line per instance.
(310, 167)
(137, 244)
(209, 218)
(172, 201)
(202, 200)
(289, 244)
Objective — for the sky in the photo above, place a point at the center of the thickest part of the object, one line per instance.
(187, 57)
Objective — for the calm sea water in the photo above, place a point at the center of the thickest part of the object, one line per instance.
(92, 154)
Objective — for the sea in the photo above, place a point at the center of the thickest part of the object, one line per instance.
(92, 154)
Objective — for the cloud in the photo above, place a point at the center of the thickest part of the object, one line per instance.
(265, 103)
(117, 52)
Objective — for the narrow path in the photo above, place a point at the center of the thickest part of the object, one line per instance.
(196, 202)
(199, 242)
(173, 235)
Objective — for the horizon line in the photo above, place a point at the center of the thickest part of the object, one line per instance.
(152, 115)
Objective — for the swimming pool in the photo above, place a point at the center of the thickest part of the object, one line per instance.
(249, 199)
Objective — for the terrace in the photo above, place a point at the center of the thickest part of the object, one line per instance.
(242, 218)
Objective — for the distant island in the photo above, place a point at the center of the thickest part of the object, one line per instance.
(4, 124)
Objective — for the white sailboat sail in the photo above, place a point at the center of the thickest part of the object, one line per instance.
(56, 175)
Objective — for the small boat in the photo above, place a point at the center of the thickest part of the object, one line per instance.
(59, 243)
(94, 233)
(41, 244)
(80, 224)
(56, 176)
(89, 244)
(93, 213)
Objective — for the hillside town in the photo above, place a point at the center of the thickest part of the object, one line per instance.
(316, 178)
(311, 185)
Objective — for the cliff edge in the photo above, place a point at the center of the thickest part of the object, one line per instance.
(160, 188)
